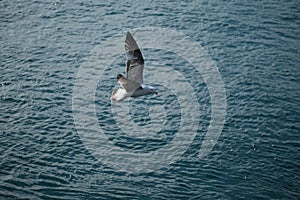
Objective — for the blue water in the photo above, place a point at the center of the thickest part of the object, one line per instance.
(256, 47)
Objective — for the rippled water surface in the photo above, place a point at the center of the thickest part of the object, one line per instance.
(256, 47)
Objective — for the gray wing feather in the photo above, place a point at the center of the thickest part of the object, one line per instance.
(128, 85)
(135, 60)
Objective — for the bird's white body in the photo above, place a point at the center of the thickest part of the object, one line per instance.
(120, 94)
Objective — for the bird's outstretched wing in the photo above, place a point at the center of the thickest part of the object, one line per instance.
(128, 85)
(135, 61)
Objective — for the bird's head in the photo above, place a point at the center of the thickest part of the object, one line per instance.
(151, 90)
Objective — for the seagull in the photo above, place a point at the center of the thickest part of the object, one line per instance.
(132, 85)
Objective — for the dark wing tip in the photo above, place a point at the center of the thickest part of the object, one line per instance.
(128, 34)
(130, 43)
(119, 76)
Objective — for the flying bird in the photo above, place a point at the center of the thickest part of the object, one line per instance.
(132, 85)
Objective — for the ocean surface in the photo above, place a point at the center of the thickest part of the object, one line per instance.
(255, 46)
